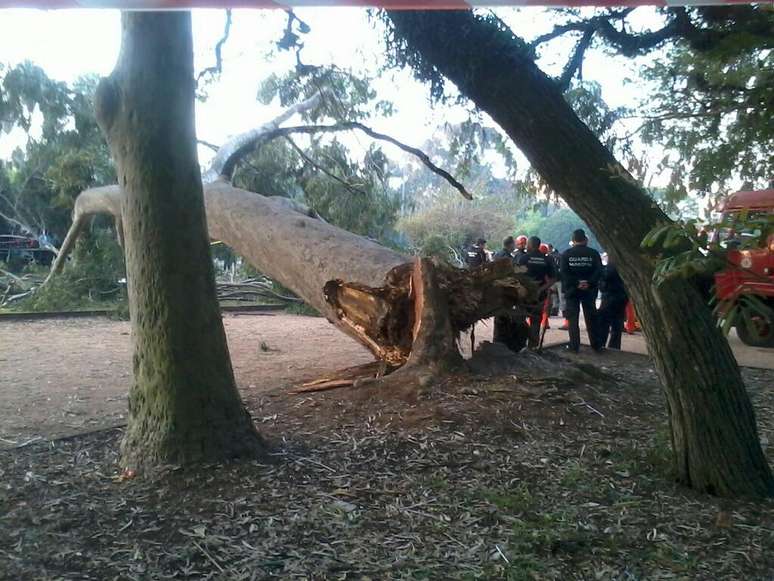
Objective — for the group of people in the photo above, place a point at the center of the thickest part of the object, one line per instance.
(577, 275)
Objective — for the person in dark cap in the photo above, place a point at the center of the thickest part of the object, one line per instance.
(581, 270)
(509, 245)
(540, 269)
(476, 255)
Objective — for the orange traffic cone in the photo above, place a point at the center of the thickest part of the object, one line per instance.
(544, 322)
(632, 324)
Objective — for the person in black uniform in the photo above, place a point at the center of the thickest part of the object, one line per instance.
(509, 245)
(476, 255)
(581, 270)
(540, 268)
(612, 312)
(509, 328)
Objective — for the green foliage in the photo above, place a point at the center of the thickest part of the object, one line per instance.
(347, 190)
(470, 140)
(449, 222)
(40, 182)
(349, 96)
(712, 110)
(555, 226)
(453, 225)
(438, 222)
(586, 100)
(369, 207)
(359, 199)
(714, 100)
(91, 280)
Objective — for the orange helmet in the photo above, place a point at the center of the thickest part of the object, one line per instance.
(543, 248)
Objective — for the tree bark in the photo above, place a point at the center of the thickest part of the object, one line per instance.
(183, 404)
(363, 288)
(715, 441)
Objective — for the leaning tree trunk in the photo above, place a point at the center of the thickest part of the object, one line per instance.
(370, 292)
(183, 403)
(714, 436)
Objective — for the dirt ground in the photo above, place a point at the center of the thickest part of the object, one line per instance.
(557, 468)
(65, 376)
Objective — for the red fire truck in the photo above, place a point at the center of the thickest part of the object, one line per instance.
(751, 260)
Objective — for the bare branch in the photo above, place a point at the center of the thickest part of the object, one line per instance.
(626, 43)
(318, 167)
(218, 68)
(560, 30)
(354, 125)
(207, 144)
(575, 64)
(224, 162)
(423, 157)
(12, 220)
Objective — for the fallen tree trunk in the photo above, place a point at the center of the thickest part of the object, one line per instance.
(365, 289)
(402, 311)
(362, 287)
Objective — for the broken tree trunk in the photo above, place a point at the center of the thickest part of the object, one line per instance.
(362, 287)
(370, 292)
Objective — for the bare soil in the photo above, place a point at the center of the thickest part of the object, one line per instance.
(64, 376)
(556, 469)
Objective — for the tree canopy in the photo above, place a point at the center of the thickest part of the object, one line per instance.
(63, 155)
(712, 79)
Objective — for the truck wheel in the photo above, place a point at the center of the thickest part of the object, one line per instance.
(761, 336)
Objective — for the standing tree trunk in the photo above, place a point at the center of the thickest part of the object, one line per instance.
(714, 436)
(183, 405)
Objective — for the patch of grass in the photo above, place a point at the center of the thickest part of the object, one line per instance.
(88, 281)
(654, 456)
(438, 483)
(575, 473)
(517, 500)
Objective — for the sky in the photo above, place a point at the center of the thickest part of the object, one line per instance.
(67, 44)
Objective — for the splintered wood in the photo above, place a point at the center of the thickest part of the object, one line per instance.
(344, 377)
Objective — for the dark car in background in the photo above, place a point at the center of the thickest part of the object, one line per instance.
(19, 248)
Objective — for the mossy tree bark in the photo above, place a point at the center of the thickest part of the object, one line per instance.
(183, 405)
(714, 435)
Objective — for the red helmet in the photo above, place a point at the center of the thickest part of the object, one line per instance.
(521, 240)
(543, 248)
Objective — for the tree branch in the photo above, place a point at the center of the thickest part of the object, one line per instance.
(560, 30)
(354, 125)
(318, 167)
(22, 225)
(237, 147)
(218, 68)
(626, 43)
(421, 155)
(575, 64)
(225, 160)
(207, 144)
